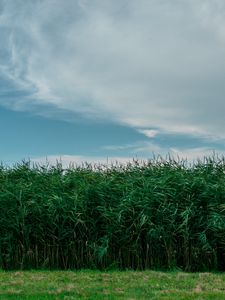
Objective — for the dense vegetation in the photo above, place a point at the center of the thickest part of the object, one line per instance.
(155, 214)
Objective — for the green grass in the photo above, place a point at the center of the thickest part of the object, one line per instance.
(160, 214)
(111, 285)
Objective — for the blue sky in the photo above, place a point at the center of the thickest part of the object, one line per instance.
(91, 80)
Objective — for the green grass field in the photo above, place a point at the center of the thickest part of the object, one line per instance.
(111, 285)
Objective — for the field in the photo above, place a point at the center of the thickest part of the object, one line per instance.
(111, 285)
(160, 214)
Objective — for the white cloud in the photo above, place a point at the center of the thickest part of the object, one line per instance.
(147, 64)
(195, 153)
(79, 160)
(142, 149)
(151, 133)
(191, 155)
(212, 16)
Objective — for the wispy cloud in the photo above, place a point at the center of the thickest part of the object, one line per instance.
(212, 13)
(79, 160)
(194, 154)
(151, 133)
(147, 64)
(191, 155)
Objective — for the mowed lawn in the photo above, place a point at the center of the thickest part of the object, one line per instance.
(111, 285)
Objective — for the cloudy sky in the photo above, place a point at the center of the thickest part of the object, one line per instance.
(97, 79)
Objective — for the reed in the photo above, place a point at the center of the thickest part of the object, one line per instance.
(161, 213)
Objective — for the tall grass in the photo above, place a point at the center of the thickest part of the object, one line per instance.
(154, 214)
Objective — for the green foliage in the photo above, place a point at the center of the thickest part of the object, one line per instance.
(155, 214)
(111, 285)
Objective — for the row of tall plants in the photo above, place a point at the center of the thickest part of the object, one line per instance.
(158, 214)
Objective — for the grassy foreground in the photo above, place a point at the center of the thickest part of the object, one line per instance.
(111, 285)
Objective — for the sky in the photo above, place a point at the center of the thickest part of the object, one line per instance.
(106, 80)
